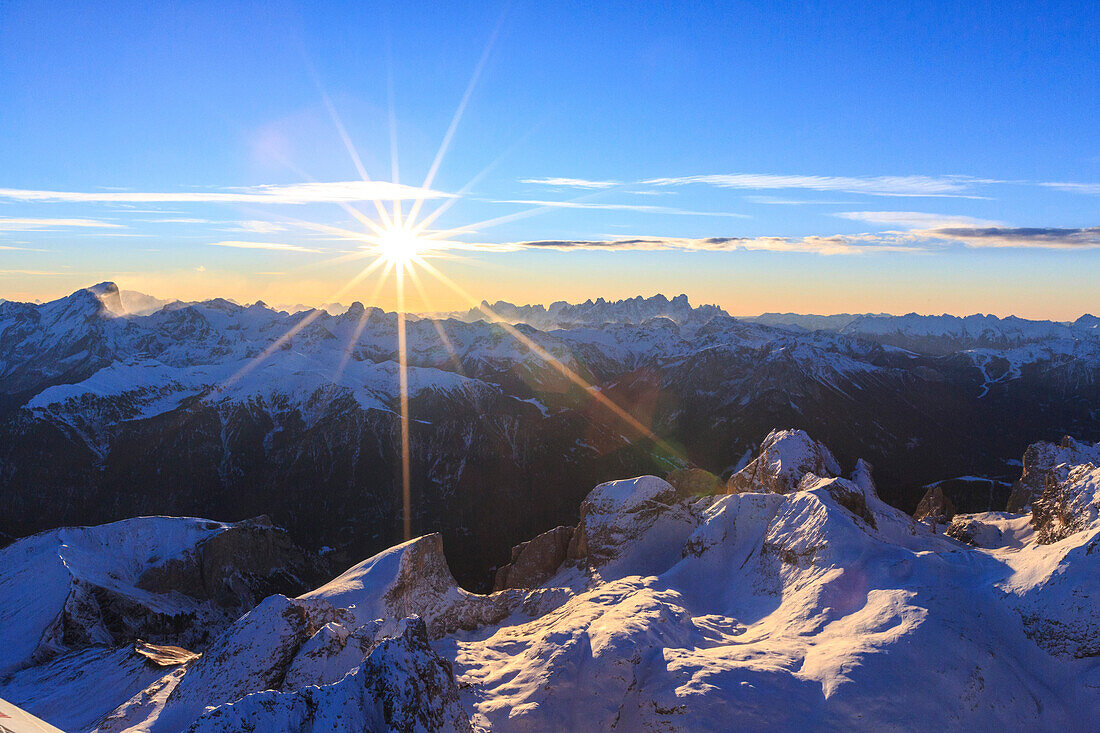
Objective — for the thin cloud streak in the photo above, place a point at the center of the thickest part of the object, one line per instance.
(294, 193)
(915, 219)
(259, 227)
(273, 246)
(1085, 188)
(642, 208)
(874, 185)
(1021, 237)
(772, 200)
(825, 245)
(949, 186)
(27, 225)
(907, 241)
(571, 182)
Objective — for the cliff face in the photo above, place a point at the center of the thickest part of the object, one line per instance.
(1046, 464)
(162, 579)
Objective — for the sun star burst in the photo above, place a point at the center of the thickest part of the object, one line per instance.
(399, 244)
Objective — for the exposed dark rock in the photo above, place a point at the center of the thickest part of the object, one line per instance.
(402, 686)
(936, 506)
(1067, 505)
(944, 499)
(690, 482)
(616, 511)
(852, 498)
(414, 688)
(962, 529)
(239, 567)
(534, 561)
(183, 601)
(1045, 462)
(425, 587)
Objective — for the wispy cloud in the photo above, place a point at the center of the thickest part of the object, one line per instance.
(295, 193)
(825, 245)
(1034, 237)
(642, 208)
(872, 185)
(954, 186)
(775, 200)
(1087, 188)
(26, 225)
(273, 246)
(260, 227)
(571, 182)
(914, 219)
(915, 240)
(33, 273)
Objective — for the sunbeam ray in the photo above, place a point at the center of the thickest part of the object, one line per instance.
(355, 159)
(515, 216)
(395, 171)
(457, 117)
(403, 388)
(305, 321)
(442, 208)
(363, 317)
(435, 321)
(554, 362)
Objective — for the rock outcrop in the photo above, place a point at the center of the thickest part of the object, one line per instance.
(935, 506)
(174, 581)
(402, 686)
(413, 579)
(785, 457)
(616, 512)
(534, 561)
(1044, 462)
(239, 567)
(1067, 505)
(812, 607)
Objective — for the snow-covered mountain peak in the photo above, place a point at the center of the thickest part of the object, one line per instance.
(599, 312)
(785, 457)
(162, 578)
(670, 612)
(108, 294)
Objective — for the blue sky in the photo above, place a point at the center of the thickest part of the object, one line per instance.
(809, 157)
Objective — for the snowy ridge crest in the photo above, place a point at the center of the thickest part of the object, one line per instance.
(670, 610)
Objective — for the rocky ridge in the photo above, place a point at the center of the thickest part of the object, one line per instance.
(667, 610)
(231, 410)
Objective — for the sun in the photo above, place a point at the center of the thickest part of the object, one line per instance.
(399, 245)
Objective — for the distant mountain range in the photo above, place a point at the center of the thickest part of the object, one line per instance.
(232, 411)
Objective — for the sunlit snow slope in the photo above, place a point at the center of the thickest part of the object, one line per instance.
(799, 602)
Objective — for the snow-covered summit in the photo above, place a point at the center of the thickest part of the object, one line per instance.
(786, 456)
(803, 602)
(598, 312)
(163, 578)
